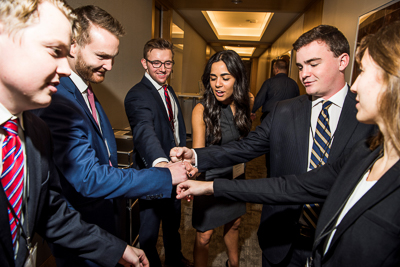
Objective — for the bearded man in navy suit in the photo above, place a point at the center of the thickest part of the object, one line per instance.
(84, 142)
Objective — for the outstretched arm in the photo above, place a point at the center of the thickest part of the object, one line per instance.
(194, 188)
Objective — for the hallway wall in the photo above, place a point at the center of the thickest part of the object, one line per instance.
(342, 14)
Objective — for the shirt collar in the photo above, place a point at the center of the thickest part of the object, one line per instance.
(153, 82)
(79, 82)
(337, 99)
(5, 115)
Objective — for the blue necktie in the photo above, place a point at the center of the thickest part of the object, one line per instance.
(319, 156)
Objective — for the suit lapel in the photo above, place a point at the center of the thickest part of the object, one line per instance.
(346, 126)
(156, 95)
(71, 87)
(182, 128)
(107, 132)
(302, 129)
(5, 233)
(342, 189)
(34, 168)
(388, 183)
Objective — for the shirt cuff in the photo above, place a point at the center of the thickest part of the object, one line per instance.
(195, 159)
(159, 160)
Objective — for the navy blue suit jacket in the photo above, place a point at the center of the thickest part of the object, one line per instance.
(152, 134)
(283, 137)
(48, 212)
(81, 154)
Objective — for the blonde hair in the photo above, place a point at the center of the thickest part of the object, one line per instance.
(384, 49)
(16, 15)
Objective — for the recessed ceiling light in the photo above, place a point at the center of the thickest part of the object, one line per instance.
(236, 2)
(244, 26)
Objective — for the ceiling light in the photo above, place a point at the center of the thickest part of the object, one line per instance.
(243, 26)
(242, 51)
(236, 2)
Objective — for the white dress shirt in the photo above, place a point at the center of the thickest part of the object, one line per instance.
(334, 112)
(174, 105)
(363, 187)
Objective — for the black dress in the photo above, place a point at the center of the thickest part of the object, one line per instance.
(210, 212)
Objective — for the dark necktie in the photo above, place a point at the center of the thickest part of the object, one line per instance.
(169, 106)
(91, 102)
(319, 156)
(12, 176)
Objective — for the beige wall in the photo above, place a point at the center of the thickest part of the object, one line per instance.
(344, 14)
(127, 70)
(194, 60)
(281, 46)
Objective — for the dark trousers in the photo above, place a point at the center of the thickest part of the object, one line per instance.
(297, 256)
(152, 212)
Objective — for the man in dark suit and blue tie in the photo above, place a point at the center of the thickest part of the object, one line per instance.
(84, 143)
(287, 137)
(157, 126)
(34, 45)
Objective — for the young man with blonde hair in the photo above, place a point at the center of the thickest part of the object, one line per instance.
(34, 43)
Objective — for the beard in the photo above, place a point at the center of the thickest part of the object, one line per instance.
(88, 73)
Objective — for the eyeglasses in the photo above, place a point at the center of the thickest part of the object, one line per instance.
(157, 64)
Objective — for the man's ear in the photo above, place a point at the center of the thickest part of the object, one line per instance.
(74, 49)
(344, 60)
(143, 61)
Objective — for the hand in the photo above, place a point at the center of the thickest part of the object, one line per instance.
(253, 116)
(134, 257)
(194, 188)
(182, 154)
(178, 171)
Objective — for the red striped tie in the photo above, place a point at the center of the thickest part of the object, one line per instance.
(12, 176)
(169, 106)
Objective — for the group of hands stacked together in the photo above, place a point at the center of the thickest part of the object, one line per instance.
(182, 171)
(182, 167)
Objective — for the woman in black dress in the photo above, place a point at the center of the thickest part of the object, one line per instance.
(223, 116)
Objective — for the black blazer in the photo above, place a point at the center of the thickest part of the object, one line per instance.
(152, 134)
(368, 235)
(48, 213)
(277, 88)
(283, 137)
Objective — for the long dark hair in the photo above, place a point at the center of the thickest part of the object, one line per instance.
(212, 107)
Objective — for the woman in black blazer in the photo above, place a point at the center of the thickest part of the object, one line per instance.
(360, 221)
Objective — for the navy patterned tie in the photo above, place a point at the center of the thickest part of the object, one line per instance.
(319, 156)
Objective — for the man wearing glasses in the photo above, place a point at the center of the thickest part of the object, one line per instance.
(157, 126)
